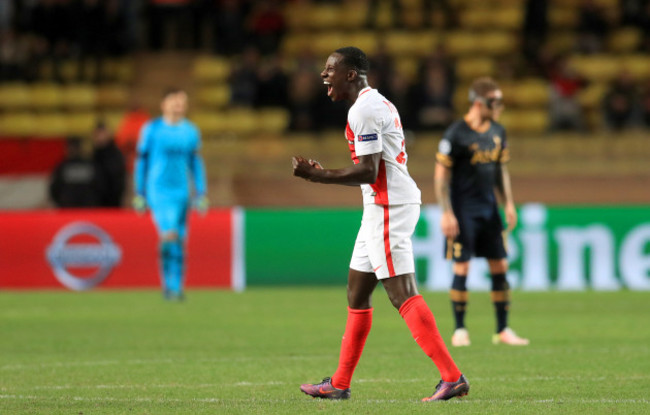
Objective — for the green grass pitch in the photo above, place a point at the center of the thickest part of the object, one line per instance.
(129, 352)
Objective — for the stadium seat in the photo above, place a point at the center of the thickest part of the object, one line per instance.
(461, 43)
(18, 124)
(353, 15)
(273, 120)
(595, 68)
(81, 123)
(211, 69)
(323, 17)
(563, 17)
(210, 122)
(637, 65)
(14, 96)
(525, 121)
(293, 44)
(592, 95)
(51, 124)
(214, 96)
(530, 93)
(79, 96)
(405, 43)
(241, 121)
(112, 96)
(407, 68)
(119, 70)
(363, 39)
(111, 118)
(324, 43)
(624, 40)
(497, 43)
(482, 18)
(294, 14)
(562, 41)
(46, 96)
(472, 67)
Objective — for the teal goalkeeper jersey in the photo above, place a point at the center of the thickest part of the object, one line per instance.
(168, 160)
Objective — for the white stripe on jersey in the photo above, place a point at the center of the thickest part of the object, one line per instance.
(374, 126)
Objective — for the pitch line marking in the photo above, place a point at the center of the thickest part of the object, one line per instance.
(370, 401)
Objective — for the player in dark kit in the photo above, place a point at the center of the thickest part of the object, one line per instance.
(470, 171)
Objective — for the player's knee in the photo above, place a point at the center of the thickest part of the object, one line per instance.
(461, 268)
(498, 266)
(499, 283)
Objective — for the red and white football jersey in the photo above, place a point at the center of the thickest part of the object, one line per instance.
(374, 126)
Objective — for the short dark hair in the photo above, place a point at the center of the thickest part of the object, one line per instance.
(354, 58)
(481, 87)
(171, 91)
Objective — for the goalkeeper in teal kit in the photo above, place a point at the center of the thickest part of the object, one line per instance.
(168, 160)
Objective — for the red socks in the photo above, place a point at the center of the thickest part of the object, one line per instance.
(420, 321)
(356, 332)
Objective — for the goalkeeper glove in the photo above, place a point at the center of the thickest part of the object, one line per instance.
(139, 203)
(201, 204)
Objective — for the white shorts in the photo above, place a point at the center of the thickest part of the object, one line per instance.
(383, 245)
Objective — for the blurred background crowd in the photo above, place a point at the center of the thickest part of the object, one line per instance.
(252, 67)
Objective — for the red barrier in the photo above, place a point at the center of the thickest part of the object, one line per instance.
(30, 156)
(82, 249)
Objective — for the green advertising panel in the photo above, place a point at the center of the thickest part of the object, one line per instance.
(560, 247)
(299, 246)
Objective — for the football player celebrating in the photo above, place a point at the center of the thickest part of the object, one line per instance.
(391, 208)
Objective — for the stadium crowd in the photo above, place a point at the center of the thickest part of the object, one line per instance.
(35, 33)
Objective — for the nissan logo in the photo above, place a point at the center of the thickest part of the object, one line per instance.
(64, 255)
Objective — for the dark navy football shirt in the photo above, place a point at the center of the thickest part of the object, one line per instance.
(474, 159)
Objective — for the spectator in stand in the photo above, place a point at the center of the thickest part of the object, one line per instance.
(52, 23)
(383, 68)
(644, 25)
(272, 83)
(93, 37)
(645, 105)
(109, 161)
(593, 27)
(267, 26)
(621, 103)
(6, 14)
(14, 55)
(535, 27)
(76, 182)
(565, 109)
(243, 79)
(631, 11)
(302, 98)
(169, 17)
(229, 27)
(118, 42)
(433, 98)
(128, 131)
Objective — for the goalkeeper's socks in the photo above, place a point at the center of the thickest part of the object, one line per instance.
(166, 263)
(354, 339)
(420, 321)
(176, 266)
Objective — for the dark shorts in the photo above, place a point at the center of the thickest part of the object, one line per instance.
(480, 236)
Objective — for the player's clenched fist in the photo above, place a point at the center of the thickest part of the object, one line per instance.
(303, 167)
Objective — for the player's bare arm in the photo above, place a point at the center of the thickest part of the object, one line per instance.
(365, 172)
(504, 189)
(448, 221)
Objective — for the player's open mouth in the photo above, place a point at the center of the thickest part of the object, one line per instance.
(329, 88)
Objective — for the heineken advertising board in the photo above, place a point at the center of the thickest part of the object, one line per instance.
(563, 248)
